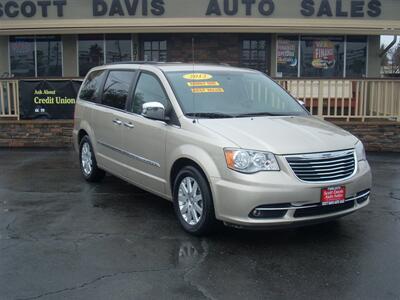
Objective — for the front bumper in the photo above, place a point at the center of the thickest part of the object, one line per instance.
(289, 200)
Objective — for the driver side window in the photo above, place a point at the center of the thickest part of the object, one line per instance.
(148, 89)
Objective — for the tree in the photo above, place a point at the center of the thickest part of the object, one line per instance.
(396, 59)
(384, 58)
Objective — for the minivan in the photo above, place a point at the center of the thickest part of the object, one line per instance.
(225, 145)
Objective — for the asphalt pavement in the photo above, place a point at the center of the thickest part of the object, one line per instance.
(62, 238)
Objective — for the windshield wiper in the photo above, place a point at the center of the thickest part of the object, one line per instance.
(214, 115)
(256, 114)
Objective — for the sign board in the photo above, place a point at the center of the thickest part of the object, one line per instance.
(48, 99)
(137, 9)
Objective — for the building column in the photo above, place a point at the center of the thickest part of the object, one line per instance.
(70, 59)
(4, 57)
(273, 69)
(135, 47)
(374, 61)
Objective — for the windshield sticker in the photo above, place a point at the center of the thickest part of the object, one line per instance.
(207, 90)
(197, 76)
(203, 83)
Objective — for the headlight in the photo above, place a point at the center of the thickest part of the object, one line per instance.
(248, 161)
(360, 151)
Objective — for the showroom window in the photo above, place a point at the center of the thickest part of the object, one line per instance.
(39, 56)
(356, 56)
(322, 56)
(253, 54)
(96, 49)
(91, 52)
(287, 56)
(118, 47)
(155, 50)
(49, 56)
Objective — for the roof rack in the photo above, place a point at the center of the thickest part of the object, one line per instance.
(146, 62)
(131, 62)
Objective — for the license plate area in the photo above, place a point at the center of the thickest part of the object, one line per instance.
(333, 195)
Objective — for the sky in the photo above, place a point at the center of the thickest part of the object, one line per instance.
(386, 39)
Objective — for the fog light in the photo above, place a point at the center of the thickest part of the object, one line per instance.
(256, 213)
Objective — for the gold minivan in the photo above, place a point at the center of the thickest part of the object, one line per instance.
(222, 143)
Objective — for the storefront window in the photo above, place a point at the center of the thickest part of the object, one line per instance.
(254, 54)
(356, 56)
(48, 53)
(96, 49)
(91, 52)
(118, 48)
(39, 56)
(155, 50)
(322, 56)
(287, 56)
(22, 56)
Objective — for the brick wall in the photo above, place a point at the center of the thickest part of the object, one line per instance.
(53, 134)
(377, 136)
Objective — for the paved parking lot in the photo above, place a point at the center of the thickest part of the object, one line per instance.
(61, 238)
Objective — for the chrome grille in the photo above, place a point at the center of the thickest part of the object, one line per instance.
(323, 167)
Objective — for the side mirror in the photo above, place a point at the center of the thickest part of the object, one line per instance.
(154, 111)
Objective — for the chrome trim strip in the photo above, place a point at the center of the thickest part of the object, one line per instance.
(320, 174)
(310, 206)
(323, 155)
(337, 166)
(306, 163)
(131, 155)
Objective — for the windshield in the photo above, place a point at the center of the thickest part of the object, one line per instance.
(227, 94)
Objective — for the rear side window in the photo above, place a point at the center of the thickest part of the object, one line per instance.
(116, 88)
(91, 87)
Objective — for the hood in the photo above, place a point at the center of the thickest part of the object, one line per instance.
(282, 135)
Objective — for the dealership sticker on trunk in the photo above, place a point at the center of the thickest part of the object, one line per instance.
(333, 195)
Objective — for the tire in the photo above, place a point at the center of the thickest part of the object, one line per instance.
(88, 163)
(193, 203)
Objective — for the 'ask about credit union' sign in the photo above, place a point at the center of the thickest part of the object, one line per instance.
(88, 9)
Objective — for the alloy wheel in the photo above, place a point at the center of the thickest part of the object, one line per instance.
(190, 201)
(86, 159)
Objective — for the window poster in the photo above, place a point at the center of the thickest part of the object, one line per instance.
(323, 54)
(287, 52)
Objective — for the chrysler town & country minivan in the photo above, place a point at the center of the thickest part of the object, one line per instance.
(222, 143)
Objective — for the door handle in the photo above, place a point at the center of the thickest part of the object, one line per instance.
(129, 125)
(117, 122)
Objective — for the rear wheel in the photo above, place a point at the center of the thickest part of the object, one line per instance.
(88, 163)
(193, 202)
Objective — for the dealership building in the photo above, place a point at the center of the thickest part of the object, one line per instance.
(284, 38)
(328, 42)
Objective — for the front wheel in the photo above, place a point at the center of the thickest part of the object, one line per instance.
(88, 163)
(193, 202)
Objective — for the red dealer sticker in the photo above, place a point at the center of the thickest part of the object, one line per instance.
(333, 195)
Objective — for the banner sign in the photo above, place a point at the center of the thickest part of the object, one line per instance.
(48, 99)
